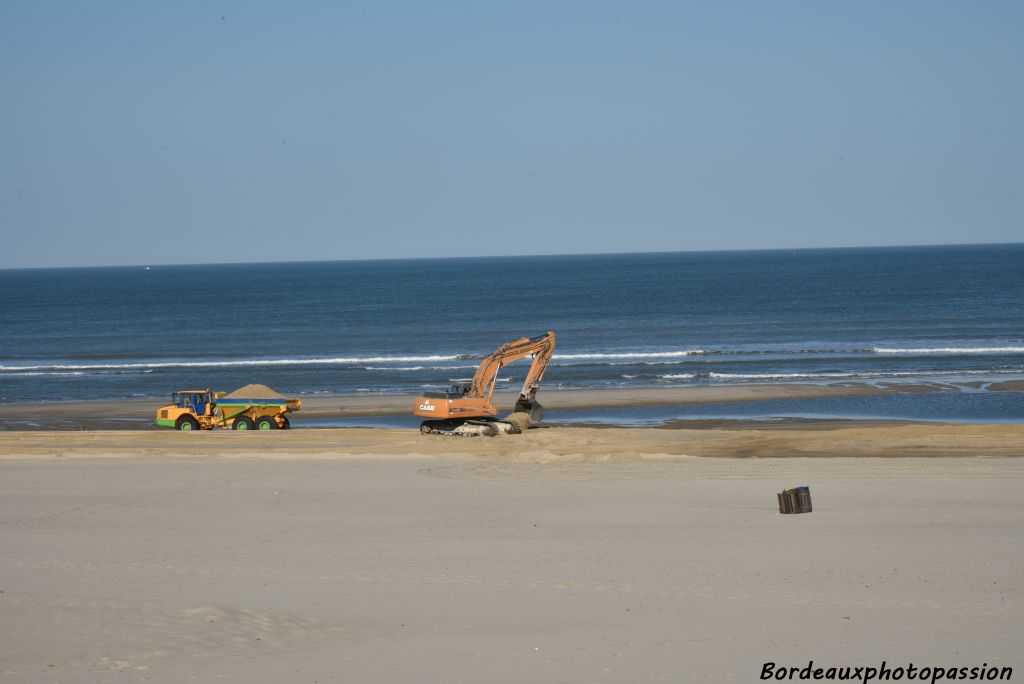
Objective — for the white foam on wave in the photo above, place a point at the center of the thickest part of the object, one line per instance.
(778, 376)
(948, 350)
(769, 350)
(415, 368)
(323, 361)
(678, 376)
(471, 379)
(631, 355)
(428, 361)
(327, 361)
(629, 363)
(866, 375)
(51, 373)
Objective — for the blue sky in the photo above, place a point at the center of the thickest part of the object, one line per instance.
(144, 133)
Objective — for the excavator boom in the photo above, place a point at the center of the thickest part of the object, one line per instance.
(541, 347)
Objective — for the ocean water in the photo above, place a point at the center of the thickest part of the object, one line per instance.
(952, 315)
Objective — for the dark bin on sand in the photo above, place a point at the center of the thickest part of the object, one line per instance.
(796, 500)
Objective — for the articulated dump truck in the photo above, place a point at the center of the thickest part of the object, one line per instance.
(253, 407)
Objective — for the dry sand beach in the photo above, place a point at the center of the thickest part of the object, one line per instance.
(561, 555)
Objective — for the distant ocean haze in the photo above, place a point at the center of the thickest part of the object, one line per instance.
(923, 314)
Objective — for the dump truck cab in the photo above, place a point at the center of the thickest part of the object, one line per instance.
(199, 401)
(188, 410)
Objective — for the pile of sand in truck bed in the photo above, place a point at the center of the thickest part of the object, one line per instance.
(254, 392)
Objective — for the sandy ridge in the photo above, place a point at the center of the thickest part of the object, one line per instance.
(549, 445)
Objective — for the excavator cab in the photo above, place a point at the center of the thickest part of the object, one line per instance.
(453, 392)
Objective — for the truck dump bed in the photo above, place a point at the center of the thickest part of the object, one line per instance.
(258, 395)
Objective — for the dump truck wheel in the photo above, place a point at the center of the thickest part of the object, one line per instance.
(242, 423)
(285, 423)
(266, 423)
(186, 424)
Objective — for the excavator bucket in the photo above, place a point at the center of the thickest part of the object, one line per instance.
(526, 414)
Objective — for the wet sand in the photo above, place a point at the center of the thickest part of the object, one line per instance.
(560, 555)
(135, 414)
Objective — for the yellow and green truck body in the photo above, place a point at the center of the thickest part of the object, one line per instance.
(205, 410)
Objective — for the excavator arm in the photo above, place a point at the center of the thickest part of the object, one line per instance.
(541, 347)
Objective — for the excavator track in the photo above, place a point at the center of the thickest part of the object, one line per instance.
(468, 428)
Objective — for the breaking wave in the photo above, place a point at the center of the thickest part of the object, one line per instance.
(948, 350)
(631, 355)
(865, 375)
(611, 358)
(781, 376)
(51, 374)
(328, 361)
(471, 379)
(414, 368)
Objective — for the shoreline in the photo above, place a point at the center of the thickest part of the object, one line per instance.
(125, 414)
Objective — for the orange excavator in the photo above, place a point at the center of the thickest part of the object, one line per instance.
(467, 409)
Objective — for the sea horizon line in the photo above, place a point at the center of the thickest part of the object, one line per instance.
(505, 257)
